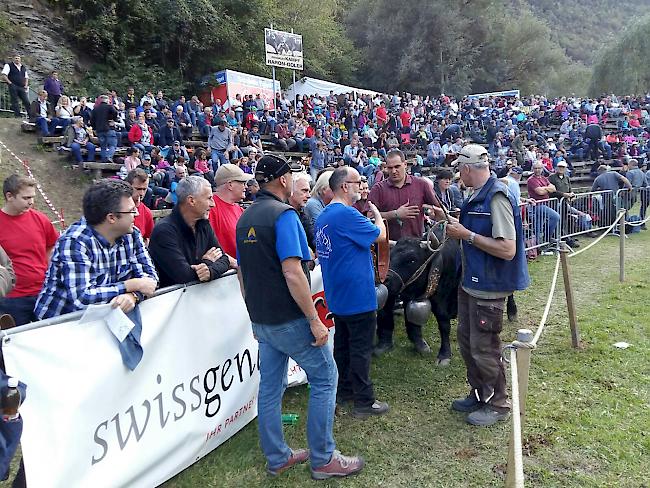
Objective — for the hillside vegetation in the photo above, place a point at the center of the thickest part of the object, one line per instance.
(538, 46)
(584, 28)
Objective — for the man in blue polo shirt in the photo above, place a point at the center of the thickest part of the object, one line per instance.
(343, 239)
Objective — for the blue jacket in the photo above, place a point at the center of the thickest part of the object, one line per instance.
(482, 270)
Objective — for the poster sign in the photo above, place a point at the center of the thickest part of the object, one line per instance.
(283, 49)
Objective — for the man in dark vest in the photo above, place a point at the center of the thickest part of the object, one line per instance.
(493, 266)
(272, 251)
(15, 75)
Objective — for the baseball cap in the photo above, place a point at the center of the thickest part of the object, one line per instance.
(271, 167)
(517, 169)
(147, 157)
(177, 143)
(471, 154)
(230, 172)
(562, 163)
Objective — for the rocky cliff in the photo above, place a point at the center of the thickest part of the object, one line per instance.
(44, 47)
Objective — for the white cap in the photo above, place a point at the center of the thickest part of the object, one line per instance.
(12, 383)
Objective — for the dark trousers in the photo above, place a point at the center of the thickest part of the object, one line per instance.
(16, 94)
(352, 352)
(22, 311)
(479, 323)
(20, 308)
(53, 99)
(386, 324)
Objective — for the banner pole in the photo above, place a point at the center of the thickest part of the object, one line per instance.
(293, 91)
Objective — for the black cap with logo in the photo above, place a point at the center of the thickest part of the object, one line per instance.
(271, 167)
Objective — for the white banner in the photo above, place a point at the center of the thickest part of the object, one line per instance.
(89, 421)
(283, 49)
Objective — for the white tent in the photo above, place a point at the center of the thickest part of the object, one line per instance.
(311, 86)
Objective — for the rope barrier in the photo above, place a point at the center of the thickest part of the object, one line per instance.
(38, 185)
(547, 308)
(639, 223)
(599, 238)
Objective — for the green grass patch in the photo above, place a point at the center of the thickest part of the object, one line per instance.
(588, 409)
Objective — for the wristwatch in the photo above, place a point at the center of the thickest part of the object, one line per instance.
(470, 239)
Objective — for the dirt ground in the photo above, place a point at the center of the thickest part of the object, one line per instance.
(63, 185)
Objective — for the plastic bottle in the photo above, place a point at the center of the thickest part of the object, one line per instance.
(11, 401)
(290, 418)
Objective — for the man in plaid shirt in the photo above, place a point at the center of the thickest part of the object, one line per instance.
(99, 259)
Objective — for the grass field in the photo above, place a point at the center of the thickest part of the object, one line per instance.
(588, 410)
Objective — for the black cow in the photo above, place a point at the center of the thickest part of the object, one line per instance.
(406, 257)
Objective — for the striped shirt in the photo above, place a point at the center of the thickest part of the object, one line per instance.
(85, 269)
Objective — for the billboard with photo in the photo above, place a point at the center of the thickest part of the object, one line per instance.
(283, 49)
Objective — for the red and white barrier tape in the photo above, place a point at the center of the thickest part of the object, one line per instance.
(25, 164)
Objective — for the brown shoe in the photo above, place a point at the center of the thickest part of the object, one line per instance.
(7, 321)
(338, 466)
(297, 457)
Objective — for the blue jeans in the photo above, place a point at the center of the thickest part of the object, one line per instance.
(218, 158)
(546, 222)
(20, 308)
(276, 344)
(107, 143)
(46, 128)
(75, 147)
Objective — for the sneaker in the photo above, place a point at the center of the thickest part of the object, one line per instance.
(377, 408)
(339, 466)
(382, 348)
(421, 346)
(297, 457)
(486, 416)
(467, 404)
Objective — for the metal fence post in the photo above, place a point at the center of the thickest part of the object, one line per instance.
(524, 337)
(568, 292)
(621, 246)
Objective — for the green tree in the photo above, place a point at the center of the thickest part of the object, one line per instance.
(520, 55)
(422, 47)
(623, 66)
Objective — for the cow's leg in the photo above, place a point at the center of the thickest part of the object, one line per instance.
(511, 308)
(444, 354)
(414, 333)
(385, 327)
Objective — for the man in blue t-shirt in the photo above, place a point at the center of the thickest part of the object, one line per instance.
(343, 239)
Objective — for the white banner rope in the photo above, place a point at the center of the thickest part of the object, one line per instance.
(599, 238)
(547, 308)
(38, 185)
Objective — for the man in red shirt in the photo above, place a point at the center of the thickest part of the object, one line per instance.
(28, 237)
(381, 114)
(230, 181)
(545, 218)
(139, 180)
(405, 117)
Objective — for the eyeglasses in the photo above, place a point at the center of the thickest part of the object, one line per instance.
(132, 212)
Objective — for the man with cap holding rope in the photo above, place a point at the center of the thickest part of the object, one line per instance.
(493, 267)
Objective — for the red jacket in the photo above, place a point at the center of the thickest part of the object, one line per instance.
(135, 134)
